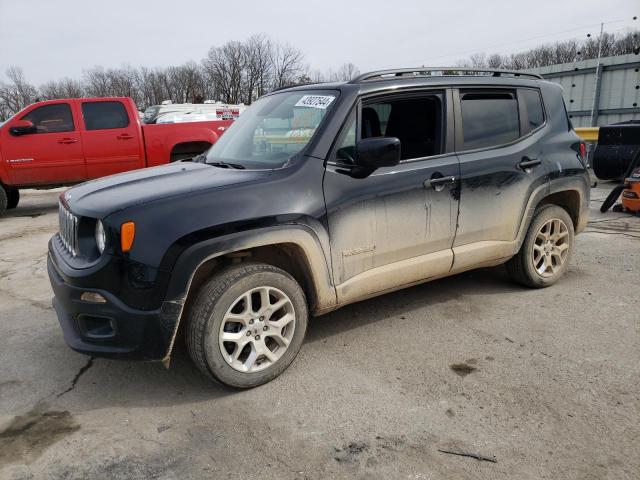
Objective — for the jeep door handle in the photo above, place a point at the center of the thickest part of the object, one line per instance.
(124, 136)
(68, 140)
(438, 183)
(529, 163)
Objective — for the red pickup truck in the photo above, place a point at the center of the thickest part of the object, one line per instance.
(62, 142)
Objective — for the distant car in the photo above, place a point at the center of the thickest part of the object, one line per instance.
(191, 112)
(316, 197)
(62, 142)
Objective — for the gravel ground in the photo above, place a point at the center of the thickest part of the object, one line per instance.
(545, 382)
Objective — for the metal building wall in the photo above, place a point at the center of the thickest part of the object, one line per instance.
(619, 98)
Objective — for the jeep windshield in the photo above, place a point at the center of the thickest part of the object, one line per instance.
(273, 130)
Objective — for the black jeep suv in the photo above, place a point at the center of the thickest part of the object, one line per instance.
(316, 197)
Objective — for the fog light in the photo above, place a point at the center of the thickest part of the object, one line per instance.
(92, 297)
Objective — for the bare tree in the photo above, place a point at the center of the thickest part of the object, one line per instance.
(288, 66)
(243, 71)
(346, 72)
(17, 93)
(64, 88)
(224, 67)
(259, 65)
(494, 61)
(97, 83)
(559, 52)
(478, 60)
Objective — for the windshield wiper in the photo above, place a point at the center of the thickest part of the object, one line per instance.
(218, 164)
(202, 158)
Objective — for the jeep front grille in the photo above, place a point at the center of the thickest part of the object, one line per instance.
(68, 229)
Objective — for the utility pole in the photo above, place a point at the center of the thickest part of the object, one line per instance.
(596, 88)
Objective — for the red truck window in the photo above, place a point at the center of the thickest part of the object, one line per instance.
(104, 115)
(53, 118)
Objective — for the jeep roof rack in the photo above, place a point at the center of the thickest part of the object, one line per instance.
(444, 71)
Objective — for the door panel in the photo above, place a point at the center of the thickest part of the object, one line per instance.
(112, 142)
(389, 216)
(496, 182)
(396, 226)
(51, 156)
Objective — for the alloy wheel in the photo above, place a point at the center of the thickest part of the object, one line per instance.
(550, 247)
(257, 329)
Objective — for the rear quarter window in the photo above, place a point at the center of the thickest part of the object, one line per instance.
(533, 106)
(489, 118)
(104, 115)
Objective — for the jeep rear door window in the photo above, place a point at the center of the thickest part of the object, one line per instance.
(415, 120)
(54, 118)
(533, 104)
(274, 129)
(104, 115)
(489, 119)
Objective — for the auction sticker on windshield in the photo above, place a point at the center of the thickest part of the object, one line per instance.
(315, 101)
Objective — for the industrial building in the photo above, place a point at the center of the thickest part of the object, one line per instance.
(615, 87)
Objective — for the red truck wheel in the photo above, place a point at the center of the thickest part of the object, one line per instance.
(13, 197)
(3, 199)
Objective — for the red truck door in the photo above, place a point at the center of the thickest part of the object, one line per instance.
(51, 155)
(112, 140)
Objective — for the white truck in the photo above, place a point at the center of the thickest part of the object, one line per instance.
(169, 112)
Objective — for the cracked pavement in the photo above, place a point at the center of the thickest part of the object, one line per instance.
(547, 382)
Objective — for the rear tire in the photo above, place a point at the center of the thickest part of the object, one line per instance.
(13, 198)
(247, 325)
(546, 250)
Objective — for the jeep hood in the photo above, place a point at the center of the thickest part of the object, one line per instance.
(102, 197)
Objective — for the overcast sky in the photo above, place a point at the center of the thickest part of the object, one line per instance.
(55, 38)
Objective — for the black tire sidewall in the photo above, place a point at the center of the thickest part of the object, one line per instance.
(544, 215)
(4, 201)
(13, 198)
(215, 362)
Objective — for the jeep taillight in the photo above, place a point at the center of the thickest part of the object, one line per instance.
(581, 150)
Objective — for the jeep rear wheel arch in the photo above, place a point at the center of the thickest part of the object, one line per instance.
(546, 194)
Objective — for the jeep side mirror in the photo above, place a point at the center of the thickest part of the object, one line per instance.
(22, 127)
(373, 153)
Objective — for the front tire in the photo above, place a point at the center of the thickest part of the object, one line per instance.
(546, 250)
(247, 324)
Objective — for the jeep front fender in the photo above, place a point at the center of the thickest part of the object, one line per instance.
(195, 256)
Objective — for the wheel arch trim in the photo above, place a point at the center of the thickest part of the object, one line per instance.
(190, 261)
(567, 184)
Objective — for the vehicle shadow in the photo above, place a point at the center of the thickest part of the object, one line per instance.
(111, 383)
(487, 281)
(32, 211)
(35, 203)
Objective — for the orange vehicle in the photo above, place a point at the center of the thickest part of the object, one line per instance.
(631, 193)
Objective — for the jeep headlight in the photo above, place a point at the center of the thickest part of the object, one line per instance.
(101, 237)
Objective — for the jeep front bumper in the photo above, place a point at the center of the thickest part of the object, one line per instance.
(109, 329)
